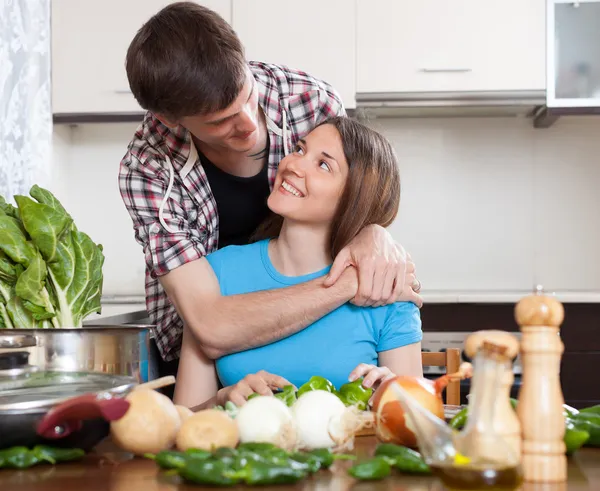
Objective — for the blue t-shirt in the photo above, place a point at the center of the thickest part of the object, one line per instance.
(331, 347)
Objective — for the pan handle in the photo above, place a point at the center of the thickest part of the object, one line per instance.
(67, 417)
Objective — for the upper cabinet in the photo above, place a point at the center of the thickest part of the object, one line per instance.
(316, 36)
(443, 46)
(89, 44)
(573, 54)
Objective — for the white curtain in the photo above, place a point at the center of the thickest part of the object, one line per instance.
(25, 107)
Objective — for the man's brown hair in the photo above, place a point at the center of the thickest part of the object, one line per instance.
(372, 191)
(185, 60)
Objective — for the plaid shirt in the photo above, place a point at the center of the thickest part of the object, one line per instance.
(157, 154)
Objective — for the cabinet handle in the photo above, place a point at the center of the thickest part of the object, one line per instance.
(446, 70)
(123, 91)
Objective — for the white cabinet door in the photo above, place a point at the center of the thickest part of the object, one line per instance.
(89, 44)
(443, 45)
(315, 36)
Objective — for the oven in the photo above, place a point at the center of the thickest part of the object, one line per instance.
(440, 341)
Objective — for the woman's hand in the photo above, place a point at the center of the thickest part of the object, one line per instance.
(262, 383)
(386, 273)
(373, 375)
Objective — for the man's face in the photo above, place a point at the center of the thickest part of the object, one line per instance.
(235, 128)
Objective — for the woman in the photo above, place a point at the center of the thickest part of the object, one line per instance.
(341, 177)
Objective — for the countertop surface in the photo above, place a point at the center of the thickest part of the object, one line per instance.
(107, 469)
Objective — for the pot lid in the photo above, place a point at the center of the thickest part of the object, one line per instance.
(28, 388)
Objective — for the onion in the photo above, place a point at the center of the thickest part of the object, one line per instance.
(390, 424)
(150, 424)
(266, 419)
(322, 420)
(207, 429)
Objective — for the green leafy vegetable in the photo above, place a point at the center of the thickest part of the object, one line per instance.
(50, 272)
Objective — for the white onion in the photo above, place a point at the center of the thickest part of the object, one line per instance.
(318, 416)
(266, 419)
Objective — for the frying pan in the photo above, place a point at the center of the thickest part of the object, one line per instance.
(57, 407)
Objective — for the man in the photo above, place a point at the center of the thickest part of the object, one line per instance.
(200, 167)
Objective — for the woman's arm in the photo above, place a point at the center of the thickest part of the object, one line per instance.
(405, 360)
(196, 384)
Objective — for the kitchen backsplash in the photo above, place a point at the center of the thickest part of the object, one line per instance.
(487, 204)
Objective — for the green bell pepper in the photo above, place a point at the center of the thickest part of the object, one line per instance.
(404, 459)
(459, 420)
(316, 383)
(168, 459)
(54, 455)
(312, 462)
(591, 410)
(354, 393)
(371, 470)
(210, 471)
(287, 395)
(257, 446)
(591, 423)
(198, 453)
(262, 474)
(18, 458)
(574, 437)
(23, 458)
(326, 457)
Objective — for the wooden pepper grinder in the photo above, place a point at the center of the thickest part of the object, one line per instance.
(506, 422)
(540, 396)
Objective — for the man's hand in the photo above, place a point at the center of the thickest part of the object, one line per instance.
(262, 383)
(386, 273)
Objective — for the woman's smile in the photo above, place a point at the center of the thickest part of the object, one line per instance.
(287, 188)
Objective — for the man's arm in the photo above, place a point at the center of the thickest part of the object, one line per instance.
(405, 360)
(228, 324)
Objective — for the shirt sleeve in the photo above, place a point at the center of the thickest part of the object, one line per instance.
(142, 189)
(330, 103)
(402, 327)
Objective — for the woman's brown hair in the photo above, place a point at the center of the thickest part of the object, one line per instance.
(372, 191)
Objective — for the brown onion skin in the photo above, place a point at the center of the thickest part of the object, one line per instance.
(390, 426)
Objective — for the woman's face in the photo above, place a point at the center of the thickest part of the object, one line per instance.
(311, 180)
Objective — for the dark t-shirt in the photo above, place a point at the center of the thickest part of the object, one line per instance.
(241, 202)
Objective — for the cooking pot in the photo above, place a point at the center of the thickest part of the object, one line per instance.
(118, 350)
(69, 409)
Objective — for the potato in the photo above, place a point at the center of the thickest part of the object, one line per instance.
(184, 412)
(207, 429)
(150, 424)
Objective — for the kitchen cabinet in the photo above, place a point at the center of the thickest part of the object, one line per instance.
(316, 36)
(458, 46)
(574, 53)
(89, 44)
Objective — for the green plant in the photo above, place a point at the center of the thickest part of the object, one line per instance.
(50, 272)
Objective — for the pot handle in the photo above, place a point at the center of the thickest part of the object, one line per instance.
(18, 341)
(67, 417)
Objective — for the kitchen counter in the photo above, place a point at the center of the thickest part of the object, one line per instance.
(110, 470)
(119, 311)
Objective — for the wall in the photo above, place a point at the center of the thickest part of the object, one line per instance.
(487, 204)
(87, 164)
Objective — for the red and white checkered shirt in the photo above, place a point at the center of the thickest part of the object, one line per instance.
(181, 224)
